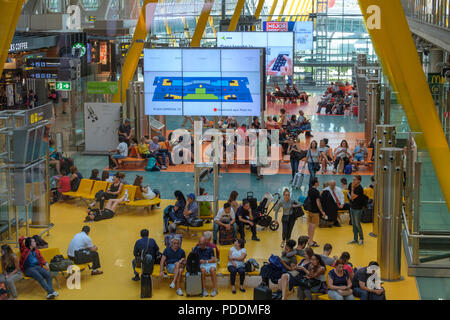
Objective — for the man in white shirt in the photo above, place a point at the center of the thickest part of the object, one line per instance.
(225, 218)
(81, 250)
(120, 153)
(338, 196)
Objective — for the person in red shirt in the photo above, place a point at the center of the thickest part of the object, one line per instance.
(34, 265)
(345, 256)
(64, 183)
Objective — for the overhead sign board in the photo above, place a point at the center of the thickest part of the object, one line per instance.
(97, 87)
(63, 86)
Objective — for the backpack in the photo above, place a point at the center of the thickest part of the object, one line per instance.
(307, 205)
(196, 223)
(193, 263)
(151, 165)
(348, 169)
(275, 261)
(58, 263)
(3, 292)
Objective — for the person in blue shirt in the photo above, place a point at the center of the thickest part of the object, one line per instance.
(173, 258)
(190, 211)
(207, 265)
(143, 246)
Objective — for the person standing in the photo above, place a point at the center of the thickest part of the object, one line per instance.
(316, 209)
(295, 156)
(313, 161)
(53, 96)
(288, 219)
(87, 251)
(32, 100)
(356, 208)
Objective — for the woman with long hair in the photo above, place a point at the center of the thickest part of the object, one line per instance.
(11, 270)
(342, 152)
(313, 161)
(315, 277)
(232, 200)
(146, 191)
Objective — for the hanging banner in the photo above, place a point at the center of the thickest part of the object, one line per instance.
(101, 122)
(98, 87)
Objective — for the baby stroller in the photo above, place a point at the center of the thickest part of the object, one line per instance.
(262, 212)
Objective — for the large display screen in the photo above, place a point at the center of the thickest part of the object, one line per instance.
(279, 48)
(208, 82)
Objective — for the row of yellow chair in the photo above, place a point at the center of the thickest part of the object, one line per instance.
(88, 189)
(48, 254)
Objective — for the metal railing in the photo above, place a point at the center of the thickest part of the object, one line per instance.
(435, 12)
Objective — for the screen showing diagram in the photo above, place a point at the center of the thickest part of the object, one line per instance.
(279, 48)
(195, 82)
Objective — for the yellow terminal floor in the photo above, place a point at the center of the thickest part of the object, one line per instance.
(116, 237)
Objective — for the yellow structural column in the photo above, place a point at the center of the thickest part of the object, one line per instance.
(201, 23)
(389, 30)
(237, 13)
(296, 12)
(272, 10)
(258, 11)
(135, 50)
(283, 6)
(11, 11)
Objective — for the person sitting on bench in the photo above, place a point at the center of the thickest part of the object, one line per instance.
(190, 211)
(174, 259)
(81, 250)
(208, 266)
(244, 216)
(225, 218)
(121, 152)
(174, 213)
(114, 191)
(33, 265)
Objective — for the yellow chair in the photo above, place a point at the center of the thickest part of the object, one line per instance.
(368, 192)
(84, 188)
(98, 185)
(140, 201)
(131, 193)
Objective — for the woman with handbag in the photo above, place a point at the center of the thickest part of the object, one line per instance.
(314, 279)
(340, 283)
(313, 161)
(342, 153)
(288, 218)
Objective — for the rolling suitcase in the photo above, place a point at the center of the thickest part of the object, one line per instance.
(262, 293)
(146, 286)
(226, 237)
(253, 201)
(193, 285)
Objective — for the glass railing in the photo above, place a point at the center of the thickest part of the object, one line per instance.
(435, 12)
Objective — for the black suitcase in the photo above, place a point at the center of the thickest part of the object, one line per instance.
(146, 286)
(147, 264)
(252, 200)
(367, 214)
(262, 293)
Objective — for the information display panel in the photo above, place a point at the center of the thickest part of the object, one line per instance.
(208, 82)
(279, 48)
